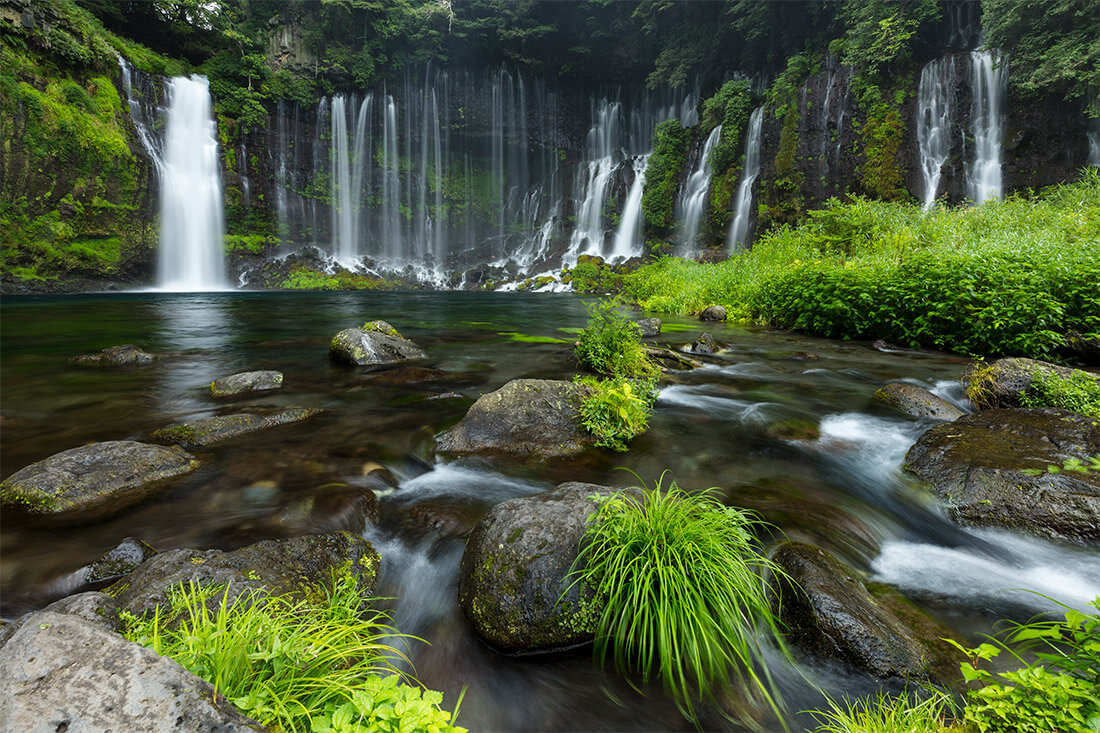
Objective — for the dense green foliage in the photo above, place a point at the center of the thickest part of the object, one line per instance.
(1079, 392)
(662, 176)
(1009, 277)
(678, 575)
(617, 409)
(319, 664)
(610, 344)
(730, 107)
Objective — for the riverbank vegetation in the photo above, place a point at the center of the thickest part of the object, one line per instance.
(1008, 277)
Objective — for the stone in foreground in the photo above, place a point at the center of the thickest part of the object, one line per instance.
(1006, 468)
(94, 480)
(246, 382)
(366, 346)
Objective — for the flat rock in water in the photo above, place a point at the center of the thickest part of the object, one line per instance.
(272, 566)
(515, 571)
(112, 356)
(1006, 468)
(210, 430)
(246, 382)
(916, 401)
(61, 672)
(527, 417)
(94, 480)
(365, 347)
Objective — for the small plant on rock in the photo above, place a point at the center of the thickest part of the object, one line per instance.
(616, 410)
(1079, 392)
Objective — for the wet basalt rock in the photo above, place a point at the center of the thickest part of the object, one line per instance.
(513, 582)
(376, 343)
(916, 401)
(207, 431)
(116, 356)
(245, 383)
(713, 313)
(1004, 382)
(828, 612)
(93, 481)
(648, 327)
(537, 418)
(1005, 468)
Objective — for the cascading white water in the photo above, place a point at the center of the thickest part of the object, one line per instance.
(192, 232)
(691, 204)
(935, 113)
(344, 231)
(742, 209)
(1094, 143)
(628, 237)
(604, 147)
(988, 80)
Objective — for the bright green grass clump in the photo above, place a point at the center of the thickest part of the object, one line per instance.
(887, 714)
(314, 665)
(1009, 277)
(684, 600)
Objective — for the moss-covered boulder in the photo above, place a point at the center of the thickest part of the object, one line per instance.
(246, 382)
(513, 582)
(1005, 382)
(210, 430)
(295, 566)
(115, 356)
(376, 343)
(828, 612)
(1014, 468)
(95, 480)
(538, 418)
(916, 401)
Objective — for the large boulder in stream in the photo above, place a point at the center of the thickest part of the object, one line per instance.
(376, 343)
(277, 567)
(64, 668)
(828, 612)
(537, 418)
(916, 401)
(1004, 382)
(116, 356)
(1007, 468)
(94, 480)
(209, 430)
(513, 582)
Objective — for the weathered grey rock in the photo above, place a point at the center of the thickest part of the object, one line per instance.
(363, 347)
(274, 566)
(515, 571)
(246, 382)
(1004, 382)
(977, 465)
(60, 672)
(713, 313)
(210, 430)
(828, 612)
(94, 480)
(705, 344)
(97, 608)
(648, 327)
(916, 401)
(118, 562)
(113, 356)
(528, 417)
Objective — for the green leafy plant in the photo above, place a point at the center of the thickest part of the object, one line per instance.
(1076, 465)
(1056, 689)
(616, 409)
(679, 577)
(295, 665)
(887, 714)
(1079, 392)
(610, 344)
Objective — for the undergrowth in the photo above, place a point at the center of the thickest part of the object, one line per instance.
(616, 409)
(610, 344)
(1079, 392)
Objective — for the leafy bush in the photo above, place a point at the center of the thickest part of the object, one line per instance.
(312, 665)
(610, 344)
(616, 410)
(1079, 392)
(683, 601)
(662, 175)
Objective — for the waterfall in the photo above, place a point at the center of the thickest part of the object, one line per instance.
(1094, 143)
(192, 248)
(344, 234)
(988, 80)
(692, 202)
(628, 238)
(742, 210)
(935, 113)
(604, 146)
(392, 248)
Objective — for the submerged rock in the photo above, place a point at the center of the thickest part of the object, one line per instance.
(61, 671)
(272, 566)
(112, 356)
(1006, 468)
(513, 582)
(245, 382)
(210, 430)
(916, 401)
(828, 612)
(529, 417)
(365, 346)
(94, 480)
(1004, 382)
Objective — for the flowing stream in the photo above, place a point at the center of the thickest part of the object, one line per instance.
(783, 424)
